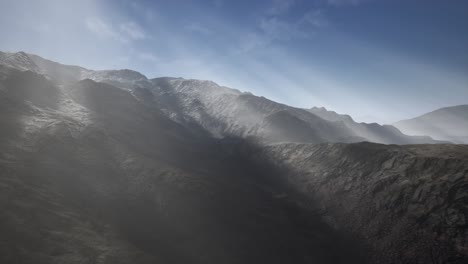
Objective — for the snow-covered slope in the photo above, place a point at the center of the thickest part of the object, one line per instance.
(61, 73)
(18, 60)
(228, 112)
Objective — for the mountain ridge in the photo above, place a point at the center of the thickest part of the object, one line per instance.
(216, 108)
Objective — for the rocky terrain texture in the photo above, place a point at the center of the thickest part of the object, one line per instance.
(111, 167)
(408, 203)
(448, 123)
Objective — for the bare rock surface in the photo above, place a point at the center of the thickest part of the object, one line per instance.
(409, 203)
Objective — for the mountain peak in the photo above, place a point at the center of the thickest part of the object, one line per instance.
(319, 108)
(124, 78)
(123, 74)
(330, 115)
(19, 60)
(22, 53)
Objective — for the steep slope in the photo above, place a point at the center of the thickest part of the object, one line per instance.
(93, 175)
(408, 203)
(449, 123)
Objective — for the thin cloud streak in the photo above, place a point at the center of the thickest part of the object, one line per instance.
(280, 6)
(198, 28)
(132, 30)
(100, 28)
(124, 32)
(340, 3)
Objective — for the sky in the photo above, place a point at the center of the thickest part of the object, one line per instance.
(377, 60)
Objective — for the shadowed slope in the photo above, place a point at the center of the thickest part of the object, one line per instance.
(135, 187)
(407, 202)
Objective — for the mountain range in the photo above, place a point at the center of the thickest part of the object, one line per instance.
(113, 167)
(221, 110)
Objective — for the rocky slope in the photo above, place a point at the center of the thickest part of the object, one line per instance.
(408, 203)
(90, 174)
(448, 123)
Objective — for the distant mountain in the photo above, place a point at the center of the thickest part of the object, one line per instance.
(112, 167)
(223, 111)
(448, 123)
(372, 132)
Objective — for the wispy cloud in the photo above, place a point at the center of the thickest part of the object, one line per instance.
(123, 32)
(132, 30)
(304, 27)
(275, 25)
(149, 14)
(100, 28)
(251, 41)
(218, 3)
(146, 56)
(42, 28)
(198, 28)
(315, 18)
(280, 6)
(276, 29)
(271, 28)
(346, 2)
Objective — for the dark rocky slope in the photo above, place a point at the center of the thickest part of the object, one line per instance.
(408, 203)
(95, 176)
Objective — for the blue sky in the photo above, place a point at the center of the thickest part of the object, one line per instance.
(374, 59)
